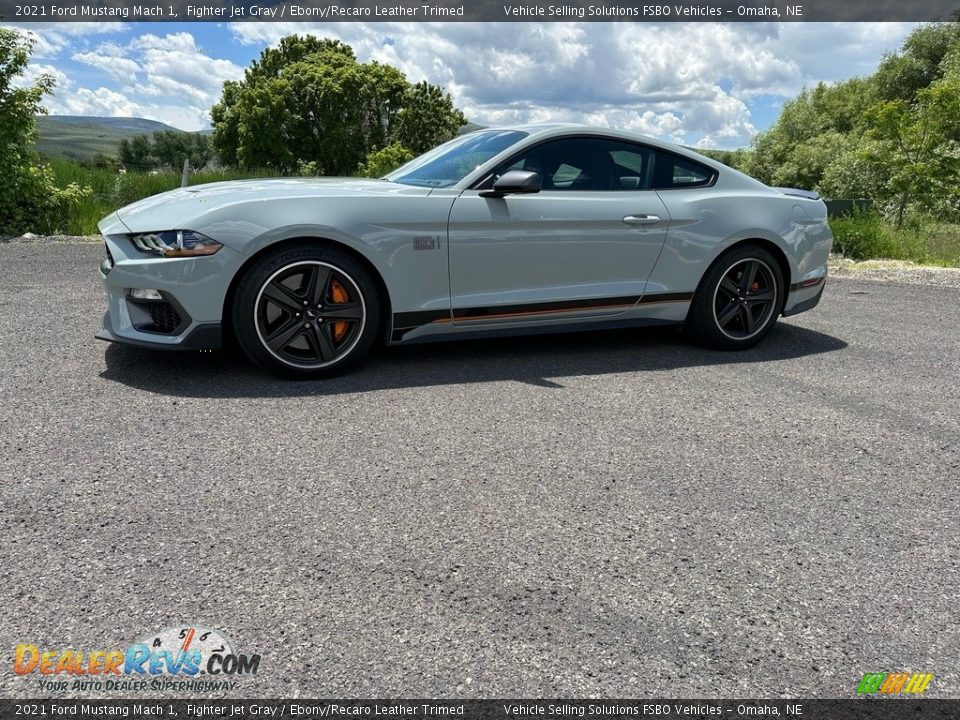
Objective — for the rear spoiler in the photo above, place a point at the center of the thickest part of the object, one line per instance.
(807, 194)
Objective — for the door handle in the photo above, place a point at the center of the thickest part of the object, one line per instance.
(641, 219)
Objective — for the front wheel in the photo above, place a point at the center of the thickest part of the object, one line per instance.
(306, 312)
(738, 300)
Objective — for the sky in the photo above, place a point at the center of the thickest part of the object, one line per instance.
(702, 84)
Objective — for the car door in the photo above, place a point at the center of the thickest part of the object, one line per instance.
(581, 247)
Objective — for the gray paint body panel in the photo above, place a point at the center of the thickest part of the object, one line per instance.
(555, 245)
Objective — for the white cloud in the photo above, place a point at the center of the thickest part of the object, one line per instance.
(50, 38)
(111, 59)
(101, 101)
(836, 51)
(35, 70)
(160, 77)
(174, 66)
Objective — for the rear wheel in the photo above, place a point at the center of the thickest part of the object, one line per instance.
(738, 300)
(306, 312)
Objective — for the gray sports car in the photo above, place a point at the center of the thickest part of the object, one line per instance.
(510, 230)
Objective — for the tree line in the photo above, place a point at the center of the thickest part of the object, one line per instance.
(892, 137)
(166, 149)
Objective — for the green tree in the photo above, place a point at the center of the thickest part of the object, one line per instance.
(308, 103)
(380, 162)
(137, 153)
(226, 123)
(809, 133)
(851, 175)
(427, 118)
(292, 49)
(914, 146)
(29, 199)
(901, 76)
(171, 148)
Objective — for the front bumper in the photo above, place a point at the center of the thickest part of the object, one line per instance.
(208, 336)
(193, 290)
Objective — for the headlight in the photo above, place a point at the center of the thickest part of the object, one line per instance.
(176, 243)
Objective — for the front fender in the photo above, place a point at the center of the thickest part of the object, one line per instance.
(386, 231)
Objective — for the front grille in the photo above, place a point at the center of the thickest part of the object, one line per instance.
(165, 317)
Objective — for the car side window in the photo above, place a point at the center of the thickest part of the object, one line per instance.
(673, 171)
(633, 164)
(585, 164)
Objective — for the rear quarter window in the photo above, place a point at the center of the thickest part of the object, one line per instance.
(673, 171)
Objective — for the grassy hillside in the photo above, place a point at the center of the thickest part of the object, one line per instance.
(80, 137)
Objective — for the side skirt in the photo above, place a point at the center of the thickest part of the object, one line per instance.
(552, 329)
(404, 323)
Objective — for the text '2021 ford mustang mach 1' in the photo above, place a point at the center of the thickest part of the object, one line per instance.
(507, 230)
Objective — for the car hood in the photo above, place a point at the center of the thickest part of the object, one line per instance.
(175, 209)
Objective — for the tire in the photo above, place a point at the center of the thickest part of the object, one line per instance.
(306, 311)
(733, 309)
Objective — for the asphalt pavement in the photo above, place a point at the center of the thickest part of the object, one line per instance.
(614, 514)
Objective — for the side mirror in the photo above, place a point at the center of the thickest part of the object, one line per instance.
(515, 181)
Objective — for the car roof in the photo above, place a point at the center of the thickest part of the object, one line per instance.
(542, 131)
(545, 130)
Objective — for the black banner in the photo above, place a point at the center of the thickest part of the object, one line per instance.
(28, 11)
(854, 709)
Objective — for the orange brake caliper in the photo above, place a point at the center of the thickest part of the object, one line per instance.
(339, 296)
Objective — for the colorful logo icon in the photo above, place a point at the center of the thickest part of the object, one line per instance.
(894, 683)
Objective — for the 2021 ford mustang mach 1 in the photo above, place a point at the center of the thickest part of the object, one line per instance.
(508, 230)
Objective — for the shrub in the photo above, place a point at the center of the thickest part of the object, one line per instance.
(380, 162)
(865, 236)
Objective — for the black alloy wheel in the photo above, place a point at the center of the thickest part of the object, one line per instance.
(306, 312)
(744, 299)
(738, 299)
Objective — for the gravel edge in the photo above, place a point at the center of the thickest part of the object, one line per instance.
(31, 238)
(893, 271)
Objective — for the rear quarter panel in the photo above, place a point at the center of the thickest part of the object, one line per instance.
(705, 222)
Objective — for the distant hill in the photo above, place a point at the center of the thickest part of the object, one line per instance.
(80, 137)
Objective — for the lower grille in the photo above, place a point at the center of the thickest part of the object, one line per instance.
(165, 317)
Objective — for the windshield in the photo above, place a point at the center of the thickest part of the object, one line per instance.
(451, 162)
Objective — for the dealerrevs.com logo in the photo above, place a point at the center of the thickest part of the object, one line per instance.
(190, 658)
(894, 683)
